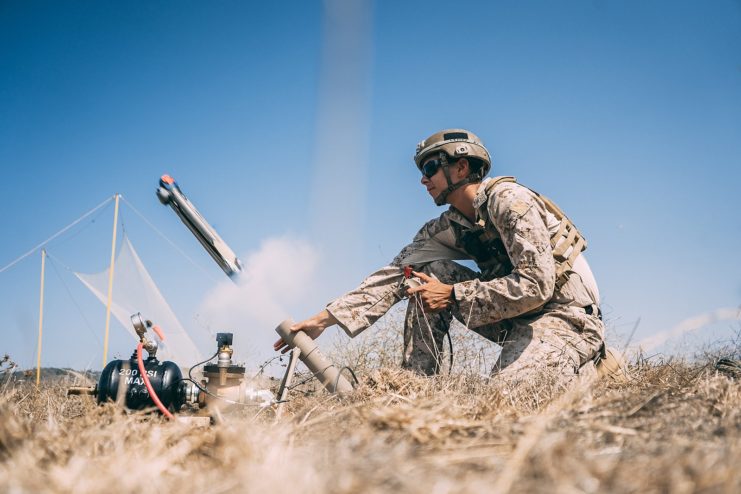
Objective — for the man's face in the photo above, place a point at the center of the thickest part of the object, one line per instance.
(433, 176)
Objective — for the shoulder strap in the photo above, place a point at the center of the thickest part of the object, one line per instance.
(567, 243)
(481, 200)
(496, 181)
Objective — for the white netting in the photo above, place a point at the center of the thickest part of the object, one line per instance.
(135, 291)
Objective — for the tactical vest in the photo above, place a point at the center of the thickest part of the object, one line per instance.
(485, 245)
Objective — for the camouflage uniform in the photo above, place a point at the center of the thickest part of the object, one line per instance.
(513, 301)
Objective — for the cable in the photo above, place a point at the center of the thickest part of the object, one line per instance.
(419, 305)
(13, 263)
(203, 270)
(339, 375)
(73, 235)
(312, 376)
(450, 344)
(266, 363)
(190, 375)
(82, 314)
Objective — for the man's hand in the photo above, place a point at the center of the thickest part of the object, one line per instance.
(313, 326)
(435, 295)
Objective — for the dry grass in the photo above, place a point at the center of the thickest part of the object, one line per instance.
(674, 427)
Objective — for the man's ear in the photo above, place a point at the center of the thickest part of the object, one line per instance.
(463, 167)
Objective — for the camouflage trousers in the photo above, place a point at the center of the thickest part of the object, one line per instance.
(560, 341)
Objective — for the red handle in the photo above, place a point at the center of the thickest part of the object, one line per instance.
(159, 332)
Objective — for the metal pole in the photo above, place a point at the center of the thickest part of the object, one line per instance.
(285, 385)
(110, 283)
(41, 318)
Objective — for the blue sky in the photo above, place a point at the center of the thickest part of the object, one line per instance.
(297, 121)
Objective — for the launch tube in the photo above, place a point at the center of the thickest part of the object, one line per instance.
(318, 364)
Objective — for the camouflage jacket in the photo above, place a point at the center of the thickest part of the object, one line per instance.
(518, 280)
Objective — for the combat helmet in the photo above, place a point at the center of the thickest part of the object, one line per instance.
(454, 143)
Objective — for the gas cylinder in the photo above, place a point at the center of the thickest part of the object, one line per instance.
(121, 381)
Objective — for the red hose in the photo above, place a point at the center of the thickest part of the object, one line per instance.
(148, 384)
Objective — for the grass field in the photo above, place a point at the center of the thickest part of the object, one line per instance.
(673, 426)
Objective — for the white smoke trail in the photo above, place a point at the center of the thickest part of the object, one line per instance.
(343, 129)
(287, 274)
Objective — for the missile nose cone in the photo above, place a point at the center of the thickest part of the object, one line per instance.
(164, 195)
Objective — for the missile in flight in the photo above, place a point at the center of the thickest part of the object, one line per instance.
(170, 194)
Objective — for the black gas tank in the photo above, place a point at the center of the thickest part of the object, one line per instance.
(122, 376)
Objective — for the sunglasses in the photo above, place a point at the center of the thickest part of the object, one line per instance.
(430, 168)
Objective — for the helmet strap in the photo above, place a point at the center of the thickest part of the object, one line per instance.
(442, 196)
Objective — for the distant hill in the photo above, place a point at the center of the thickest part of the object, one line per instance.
(54, 374)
